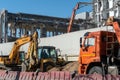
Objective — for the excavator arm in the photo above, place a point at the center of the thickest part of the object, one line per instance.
(32, 51)
(14, 54)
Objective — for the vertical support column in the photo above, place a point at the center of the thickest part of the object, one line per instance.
(22, 31)
(15, 31)
(6, 27)
(19, 31)
(53, 33)
(48, 34)
(56, 29)
(97, 4)
(43, 31)
(32, 30)
(1, 27)
(12, 32)
(10, 29)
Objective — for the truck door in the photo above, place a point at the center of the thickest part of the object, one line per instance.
(88, 50)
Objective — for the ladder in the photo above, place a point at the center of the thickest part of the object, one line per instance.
(110, 45)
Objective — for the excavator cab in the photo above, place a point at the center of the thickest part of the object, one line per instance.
(45, 52)
(48, 58)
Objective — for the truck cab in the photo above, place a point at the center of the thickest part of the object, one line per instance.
(98, 51)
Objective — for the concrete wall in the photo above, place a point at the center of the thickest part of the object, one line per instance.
(5, 48)
(67, 43)
(83, 15)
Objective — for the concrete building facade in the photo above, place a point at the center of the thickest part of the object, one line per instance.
(102, 9)
(14, 25)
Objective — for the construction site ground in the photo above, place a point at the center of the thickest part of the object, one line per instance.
(71, 67)
(57, 73)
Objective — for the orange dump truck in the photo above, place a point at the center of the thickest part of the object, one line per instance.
(99, 51)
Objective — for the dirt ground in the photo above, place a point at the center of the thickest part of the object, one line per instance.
(71, 67)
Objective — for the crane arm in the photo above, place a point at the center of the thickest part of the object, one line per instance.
(74, 13)
(72, 17)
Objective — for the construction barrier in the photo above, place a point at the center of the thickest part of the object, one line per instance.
(26, 76)
(54, 75)
(2, 75)
(15, 75)
(12, 75)
(97, 77)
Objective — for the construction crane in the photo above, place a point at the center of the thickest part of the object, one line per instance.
(74, 13)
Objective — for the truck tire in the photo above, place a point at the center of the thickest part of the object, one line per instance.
(95, 69)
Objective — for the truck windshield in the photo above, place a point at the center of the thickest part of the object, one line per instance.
(89, 42)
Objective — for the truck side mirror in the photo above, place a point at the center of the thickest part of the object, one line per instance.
(80, 41)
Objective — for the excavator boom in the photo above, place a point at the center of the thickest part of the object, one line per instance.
(32, 51)
(14, 56)
(17, 45)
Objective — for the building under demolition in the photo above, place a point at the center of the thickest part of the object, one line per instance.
(102, 9)
(14, 25)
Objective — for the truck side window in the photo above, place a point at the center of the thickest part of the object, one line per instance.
(89, 42)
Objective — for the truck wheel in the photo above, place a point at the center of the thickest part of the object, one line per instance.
(47, 66)
(95, 69)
